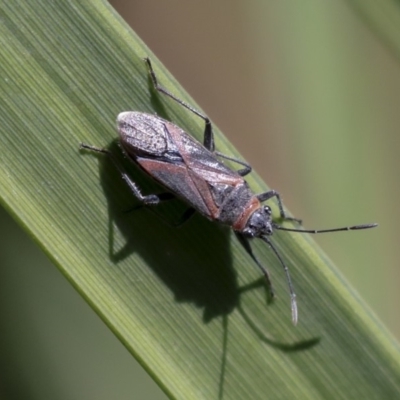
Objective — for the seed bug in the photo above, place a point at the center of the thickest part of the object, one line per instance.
(195, 173)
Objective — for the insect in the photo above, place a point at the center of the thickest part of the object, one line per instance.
(195, 173)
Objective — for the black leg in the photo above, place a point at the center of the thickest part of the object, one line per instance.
(151, 199)
(208, 140)
(246, 244)
(242, 172)
(208, 132)
(273, 193)
(162, 197)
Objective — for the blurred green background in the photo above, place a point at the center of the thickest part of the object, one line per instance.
(309, 93)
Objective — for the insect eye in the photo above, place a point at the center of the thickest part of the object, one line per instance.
(267, 210)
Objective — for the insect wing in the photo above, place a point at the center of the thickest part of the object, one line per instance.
(178, 180)
(189, 170)
(212, 179)
(201, 162)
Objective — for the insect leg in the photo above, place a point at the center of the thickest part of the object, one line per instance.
(163, 197)
(151, 199)
(246, 244)
(242, 172)
(273, 193)
(208, 140)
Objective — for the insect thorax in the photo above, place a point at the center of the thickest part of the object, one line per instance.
(231, 200)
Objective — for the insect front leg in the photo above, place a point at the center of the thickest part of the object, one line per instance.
(208, 140)
(273, 193)
(151, 199)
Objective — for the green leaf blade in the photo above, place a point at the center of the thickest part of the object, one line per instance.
(173, 297)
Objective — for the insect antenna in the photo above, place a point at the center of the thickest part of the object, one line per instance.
(286, 269)
(344, 228)
(288, 278)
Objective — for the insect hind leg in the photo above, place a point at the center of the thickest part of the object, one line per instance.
(208, 140)
(150, 199)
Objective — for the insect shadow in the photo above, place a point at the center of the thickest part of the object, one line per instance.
(194, 261)
(197, 269)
